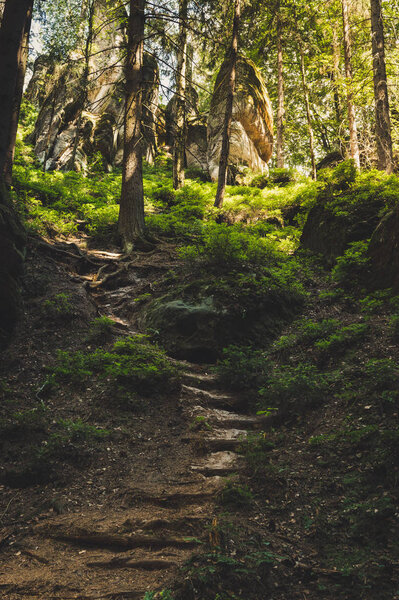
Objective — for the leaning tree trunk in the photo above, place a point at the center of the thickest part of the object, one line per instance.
(179, 126)
(131, 213)
(13, 32)
(13, 25)
(308, 114)
(19, 88)
(354, 144)
(382, 116)
(280, 100)
(224, 154)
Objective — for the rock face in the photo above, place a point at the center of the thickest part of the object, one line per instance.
(94, 125)
(383, 252)
(346, 211)
(251, 141)
(12, 242)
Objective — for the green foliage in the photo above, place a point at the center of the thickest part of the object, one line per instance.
(294, 389)
(235, 496)
(256, 449)
(308, 332)
(243, 367)
(100, 329)
(351, 268)
(59, 307)
(344, 338)
(224, 248)
(133, 364)
(394, 328)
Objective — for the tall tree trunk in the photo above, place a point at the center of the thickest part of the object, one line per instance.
(19, 89)
(14, 32)
(180, 118)
(224, 154)
(354, 144)
(85, 81)
(308, 114)
(382, 116)
(131, 213)
(280, 100)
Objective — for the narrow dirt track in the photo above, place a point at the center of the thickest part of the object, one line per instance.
(122, 553)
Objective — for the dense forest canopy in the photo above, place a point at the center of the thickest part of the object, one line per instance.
(199, 299)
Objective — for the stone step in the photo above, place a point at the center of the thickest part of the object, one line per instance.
(218, 439)
(122, 543)
(178, 496)
(219, 463)
(210, 398)
(224, 418)
(204, 381)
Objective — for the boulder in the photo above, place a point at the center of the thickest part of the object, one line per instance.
(197, 321)
(251, 139)
(188, 328)
(383, 252)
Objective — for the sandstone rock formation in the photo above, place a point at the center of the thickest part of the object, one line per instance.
(90, 120)
(251, 141)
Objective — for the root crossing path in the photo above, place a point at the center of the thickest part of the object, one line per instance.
(137, 546)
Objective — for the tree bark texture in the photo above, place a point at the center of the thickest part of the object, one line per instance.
(354, 144)
(131, 213)
(308, 114)
(224, 153)
(14, 37)
(280, 100)
(179, 126)
(382, 116)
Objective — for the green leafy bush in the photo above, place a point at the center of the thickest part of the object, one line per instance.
(294, 389)
(243, 368)
(133, 364)
(352, 268)
(343, 339)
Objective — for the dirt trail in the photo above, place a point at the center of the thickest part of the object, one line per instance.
(138, 544)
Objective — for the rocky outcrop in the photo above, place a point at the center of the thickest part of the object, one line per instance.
(92, 125)
(197, 144)
(383, 252)
(251, 139)
(12, 242)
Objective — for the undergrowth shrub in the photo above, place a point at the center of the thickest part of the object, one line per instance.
(243, 368)
(294, 389)
(133, 364)
(352, 268)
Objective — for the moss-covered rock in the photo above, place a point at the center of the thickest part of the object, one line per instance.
(198, 320)
(348, 208)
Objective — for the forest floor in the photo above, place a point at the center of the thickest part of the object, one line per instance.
(151, 496)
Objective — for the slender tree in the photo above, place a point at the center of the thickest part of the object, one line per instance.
(307, 107)
(179, 138)
(280, 98)
(85, 78)
(131, 213)
(382, 116)
(224, 154)
(354, 144)
(14, 36)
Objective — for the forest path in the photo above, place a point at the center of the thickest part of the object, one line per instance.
(125, 550)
